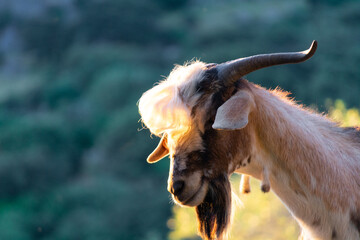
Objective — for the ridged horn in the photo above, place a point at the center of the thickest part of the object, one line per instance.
(231, 71)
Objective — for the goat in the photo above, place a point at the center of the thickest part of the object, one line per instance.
(212, 122)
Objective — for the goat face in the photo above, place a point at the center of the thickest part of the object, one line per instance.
(202, 155)
(198, 152)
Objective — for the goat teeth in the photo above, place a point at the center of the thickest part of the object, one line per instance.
(265, 183)
(245, 184)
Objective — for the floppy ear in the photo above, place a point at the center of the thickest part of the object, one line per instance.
(234, 113)
(160, 151)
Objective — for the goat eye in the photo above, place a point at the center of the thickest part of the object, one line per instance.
(195, 156)
(199, 88)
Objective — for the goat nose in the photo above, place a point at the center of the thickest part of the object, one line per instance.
(177, 187)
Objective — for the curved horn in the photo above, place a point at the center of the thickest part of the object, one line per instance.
(231, 71)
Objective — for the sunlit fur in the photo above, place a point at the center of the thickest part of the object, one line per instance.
(313, 165)
(164, 108)
(310, 162)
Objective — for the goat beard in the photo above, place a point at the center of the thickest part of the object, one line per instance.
(214, 214)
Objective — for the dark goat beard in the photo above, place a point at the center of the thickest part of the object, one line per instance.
(214, 214)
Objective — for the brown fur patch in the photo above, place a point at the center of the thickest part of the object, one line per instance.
(316, 222)
(333, 234)
(249, 159)
(355, 219)
(353, 132)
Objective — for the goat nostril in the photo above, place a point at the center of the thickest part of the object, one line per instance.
(177, 187)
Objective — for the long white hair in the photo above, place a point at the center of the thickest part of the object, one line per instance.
(162, 108)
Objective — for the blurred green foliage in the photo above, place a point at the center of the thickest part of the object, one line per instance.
(72, 161)
(346, 117)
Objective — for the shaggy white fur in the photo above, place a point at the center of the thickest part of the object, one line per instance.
(162, 108)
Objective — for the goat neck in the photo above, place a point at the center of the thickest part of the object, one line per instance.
(310, 163)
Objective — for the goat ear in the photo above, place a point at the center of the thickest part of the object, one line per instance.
(160, 151)
(234, 113)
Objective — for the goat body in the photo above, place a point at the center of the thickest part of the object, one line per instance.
(313, 165)
(214, 123)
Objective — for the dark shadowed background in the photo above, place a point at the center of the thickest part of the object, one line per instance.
(72, 161)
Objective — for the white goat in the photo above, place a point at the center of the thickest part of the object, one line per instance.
(214, 123)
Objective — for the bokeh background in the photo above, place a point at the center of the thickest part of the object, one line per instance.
(72, 158)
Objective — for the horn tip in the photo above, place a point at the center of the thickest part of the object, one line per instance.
(309, 52)
(312, 49)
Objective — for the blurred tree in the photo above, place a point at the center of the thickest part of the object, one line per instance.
(119, 21)
(329, 2)
(47, 36)
(172, 4)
